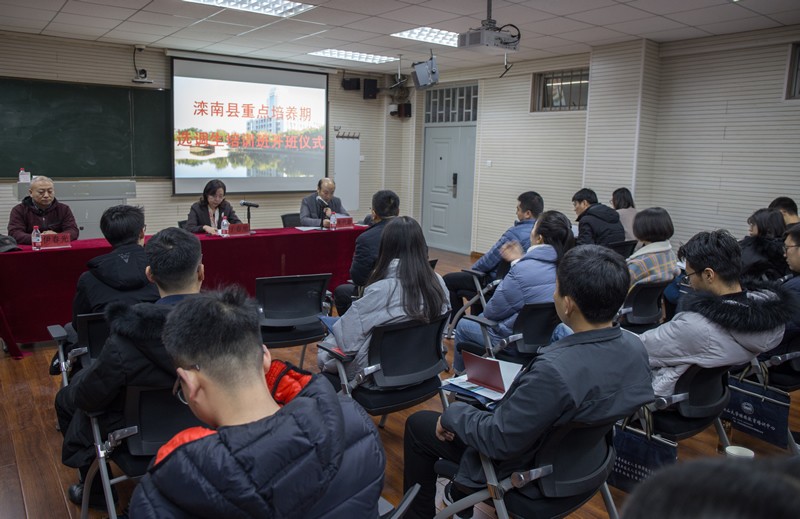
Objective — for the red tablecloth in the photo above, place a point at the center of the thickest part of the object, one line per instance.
(36, 288)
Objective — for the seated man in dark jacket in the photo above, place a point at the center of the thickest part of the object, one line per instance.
(316, 208)
(133, 354)
(118, 275)
(41, 209)
(318, 455)
(597, 375)
(385, 206)
(597, 223)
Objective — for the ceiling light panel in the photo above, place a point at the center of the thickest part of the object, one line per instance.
(281, 8)
(430, 35)
(353, 56)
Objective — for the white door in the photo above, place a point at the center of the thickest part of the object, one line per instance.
(448, 177)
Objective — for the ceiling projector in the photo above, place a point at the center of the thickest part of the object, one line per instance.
(490, 38)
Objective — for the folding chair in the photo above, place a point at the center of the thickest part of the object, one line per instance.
(152, 417)
(92, 331)
(532, 329)
(483, 288)
(570, 466)
(404, 362)
(642, 309)
(291, 306)
(623, 248)
(701, 395)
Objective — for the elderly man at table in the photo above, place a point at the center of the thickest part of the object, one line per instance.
(385, 206)
(316, 208)
(41, 208)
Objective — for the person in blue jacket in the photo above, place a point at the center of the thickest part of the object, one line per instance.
(529, 208)
(532, 279)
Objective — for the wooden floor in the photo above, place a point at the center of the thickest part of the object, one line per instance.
(33, 481)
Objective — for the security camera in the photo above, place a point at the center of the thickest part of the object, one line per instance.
(140, 48)
(141, 74)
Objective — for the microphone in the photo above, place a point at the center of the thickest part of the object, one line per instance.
(245, 203)
(322, 201)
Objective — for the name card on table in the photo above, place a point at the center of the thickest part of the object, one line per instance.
(56, 241)
(344, 222)
(238, 229)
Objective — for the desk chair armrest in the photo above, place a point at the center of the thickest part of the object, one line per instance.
(780, 359)
(77, 352)
(337, 353)
(57, 332)
(663, 402)
(484, 322)
(475, 273)
(624, 311)
(508, 341)
(364, 374)
(402, 506)
(520, 479)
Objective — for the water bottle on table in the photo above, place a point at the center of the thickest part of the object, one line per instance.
(333, 221)
(36, 238)
(224, 227)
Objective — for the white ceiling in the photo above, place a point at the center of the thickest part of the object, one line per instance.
(548, 27)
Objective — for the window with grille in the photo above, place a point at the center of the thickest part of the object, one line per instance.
(562, 90)
(793, 90)
(452, 105)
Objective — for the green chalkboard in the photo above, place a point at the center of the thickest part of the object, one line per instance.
(83, 131)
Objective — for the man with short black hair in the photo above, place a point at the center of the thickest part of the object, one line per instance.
(788, 209)
(529, 206)
(597, 223)
(385, 206)
(120, 274)
(724, 323)
(597, 375)
(133, 355)
(316, 208)
(281, 445)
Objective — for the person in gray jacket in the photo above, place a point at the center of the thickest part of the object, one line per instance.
(402, 287)
(725, 323)
(597, 375)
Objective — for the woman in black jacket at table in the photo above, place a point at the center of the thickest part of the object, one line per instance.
(206, 215)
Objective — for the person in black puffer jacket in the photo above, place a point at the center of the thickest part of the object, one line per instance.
(762, 250)
(597, 223)
(280, 445)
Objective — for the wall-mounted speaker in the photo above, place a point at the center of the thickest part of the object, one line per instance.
(370, 89)
(404, 110)
(351, 83)
(425, 74)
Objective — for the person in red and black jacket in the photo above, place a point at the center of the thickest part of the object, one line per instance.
(281, 445)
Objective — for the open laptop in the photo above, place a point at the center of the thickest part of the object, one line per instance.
(493, 374)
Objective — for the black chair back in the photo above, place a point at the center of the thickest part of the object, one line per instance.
(623, 248)
(409, 353)
(502, 269)
(93, 330)
(708, 392)
(159, 416)
(536, 322)
(433, 262)
(290, 219)
(644, 302)
(289, 300)
(582, 456)
(182, 224)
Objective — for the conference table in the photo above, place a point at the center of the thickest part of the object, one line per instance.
(37, 287)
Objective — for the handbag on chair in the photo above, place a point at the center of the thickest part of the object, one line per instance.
(638, 456)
